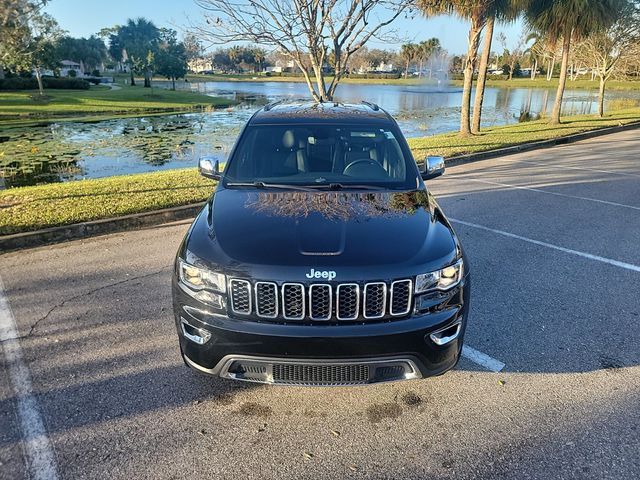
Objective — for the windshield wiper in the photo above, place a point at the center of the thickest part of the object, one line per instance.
(268, 185)
(348, 186)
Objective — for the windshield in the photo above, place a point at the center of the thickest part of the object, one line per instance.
(321, 155)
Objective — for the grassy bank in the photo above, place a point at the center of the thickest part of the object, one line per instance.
(541, 82)
(100, 100)
(300, 79)
(451, 144)
(32, 208)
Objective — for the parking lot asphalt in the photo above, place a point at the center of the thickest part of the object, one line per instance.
(553, 238)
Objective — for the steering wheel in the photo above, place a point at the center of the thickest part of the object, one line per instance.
(367, 167)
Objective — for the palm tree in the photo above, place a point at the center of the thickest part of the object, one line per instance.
(567, 20)
(477, 13)
(408, 54)
(139, 38)
(535, 51)
(498, 10)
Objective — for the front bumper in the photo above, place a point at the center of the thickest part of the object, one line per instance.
(325, 354)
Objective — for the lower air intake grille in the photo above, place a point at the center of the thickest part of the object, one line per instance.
(320, 374)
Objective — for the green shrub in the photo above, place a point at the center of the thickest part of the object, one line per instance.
(72, 73)
(19, 83)
(384, 76)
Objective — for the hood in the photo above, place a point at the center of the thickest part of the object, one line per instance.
(321, 229)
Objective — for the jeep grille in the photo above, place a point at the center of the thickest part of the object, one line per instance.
(321, 302)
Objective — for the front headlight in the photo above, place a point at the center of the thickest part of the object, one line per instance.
(198, 278)
(202, 284)
(444, 279)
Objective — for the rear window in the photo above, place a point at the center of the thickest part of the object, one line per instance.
(322, 154)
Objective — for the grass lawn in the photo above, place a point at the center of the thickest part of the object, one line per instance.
(31, 208)
(42, 206)
(541, 82)
(99, 100)
(451, 144)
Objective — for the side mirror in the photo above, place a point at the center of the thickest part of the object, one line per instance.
(209, 167)
(433, 167)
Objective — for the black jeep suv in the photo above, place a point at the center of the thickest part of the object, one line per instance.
(321, 258)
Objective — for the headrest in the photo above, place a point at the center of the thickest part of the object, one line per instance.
(288, 139)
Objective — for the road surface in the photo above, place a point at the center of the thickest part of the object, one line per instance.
(93, 387)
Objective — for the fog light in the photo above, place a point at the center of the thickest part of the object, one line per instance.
(446, 335)
(195, 334)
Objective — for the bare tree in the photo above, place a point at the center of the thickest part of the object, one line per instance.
(607, 50)
(313, 33)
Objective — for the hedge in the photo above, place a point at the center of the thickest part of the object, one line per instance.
(19, 83)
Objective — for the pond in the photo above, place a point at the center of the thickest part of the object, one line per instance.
(62, 151)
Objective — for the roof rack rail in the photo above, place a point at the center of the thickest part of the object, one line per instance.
(373, 106)
(269, 106)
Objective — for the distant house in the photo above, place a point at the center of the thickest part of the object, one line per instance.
(384, 67)
(67, 65)
(199, 65)
(380, 68)
(282, 65)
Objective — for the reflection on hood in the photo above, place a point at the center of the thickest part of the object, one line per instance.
(337, 205)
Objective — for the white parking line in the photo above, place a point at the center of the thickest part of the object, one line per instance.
(482, 359)
(40, 456)
(539, 190)
(615, 263)
(571, 167)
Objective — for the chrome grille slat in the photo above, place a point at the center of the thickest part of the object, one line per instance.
(347, 301)
(401, 297)
(266, 299)
(293, 301)
(240, 296)
(320, 301)
(375, 300)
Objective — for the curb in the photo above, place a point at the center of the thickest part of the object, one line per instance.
(503, 152)
(97, 227)
(156, 217)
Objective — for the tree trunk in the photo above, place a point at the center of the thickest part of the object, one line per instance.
(147, 78)
(552, 64)
(1, 72)
(173, 86)
(322, 87)
(482, 76)
(133, 81)
(557, 106)
(39, 78)
(406, 70)
(470, 62)
(534, 70)
(603, 84)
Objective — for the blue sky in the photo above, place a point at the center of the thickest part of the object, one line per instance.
(82, 18)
